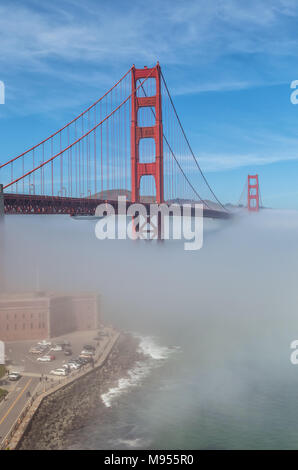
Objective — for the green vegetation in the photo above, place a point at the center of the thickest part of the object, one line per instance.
(2, 393)
(2, 371)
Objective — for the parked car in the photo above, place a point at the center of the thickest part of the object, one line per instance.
(14, 376)
(87, 353)
(34, 350)
(87, 358)
(82, 360)
(78, 364)
(37, 350)
(44, 342)
(74, 365)
(46, 358)
(59, 372)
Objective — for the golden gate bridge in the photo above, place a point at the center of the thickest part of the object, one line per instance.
(130, 142)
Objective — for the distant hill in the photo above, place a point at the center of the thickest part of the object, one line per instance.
(112, 195)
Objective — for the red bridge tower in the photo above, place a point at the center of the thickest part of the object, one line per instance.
(253, 197)
(137, 133)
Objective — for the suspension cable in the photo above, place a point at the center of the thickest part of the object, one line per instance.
(187, 141)
(174, 156)
(242, 193)
(66, 125)
(80, 138)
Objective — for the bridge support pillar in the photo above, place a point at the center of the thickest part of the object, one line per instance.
(253, 197)
(138, 170)
(1, 200)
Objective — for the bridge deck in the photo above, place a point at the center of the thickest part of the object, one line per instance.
(36, 204)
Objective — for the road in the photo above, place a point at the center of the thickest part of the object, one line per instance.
(11, 408)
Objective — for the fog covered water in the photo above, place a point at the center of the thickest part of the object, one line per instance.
(216, 325)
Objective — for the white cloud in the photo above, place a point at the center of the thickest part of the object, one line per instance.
(173, 31)
(273, 148)
(195, 88)
(88, 44)
(229, 161)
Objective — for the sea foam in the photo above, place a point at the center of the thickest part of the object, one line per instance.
(155, 356)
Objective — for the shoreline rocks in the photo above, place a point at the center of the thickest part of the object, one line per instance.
(69, 408)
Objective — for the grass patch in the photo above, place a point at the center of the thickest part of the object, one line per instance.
(2, 371)
(3, 393)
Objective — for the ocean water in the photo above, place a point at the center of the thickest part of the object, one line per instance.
(215, 327)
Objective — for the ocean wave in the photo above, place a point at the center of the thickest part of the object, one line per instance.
(132, 443)
(149, 347)
(155, 353)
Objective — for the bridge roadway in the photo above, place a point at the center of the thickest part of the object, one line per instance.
(36, 204)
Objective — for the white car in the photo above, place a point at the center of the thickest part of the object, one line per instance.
(88, 353)
(59, 372)
(44, 342)
(45, 358)
(74, 366)
(13, 376)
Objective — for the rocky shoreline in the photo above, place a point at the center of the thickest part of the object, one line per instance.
(69, 409)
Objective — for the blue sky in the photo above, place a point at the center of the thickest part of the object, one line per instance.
(228, 64)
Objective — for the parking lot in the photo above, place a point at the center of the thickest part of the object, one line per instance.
(21, 360)
(35, 378)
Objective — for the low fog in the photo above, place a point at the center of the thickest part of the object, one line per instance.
(231, 307)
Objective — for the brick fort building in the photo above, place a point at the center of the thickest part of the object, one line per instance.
(42, 315)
